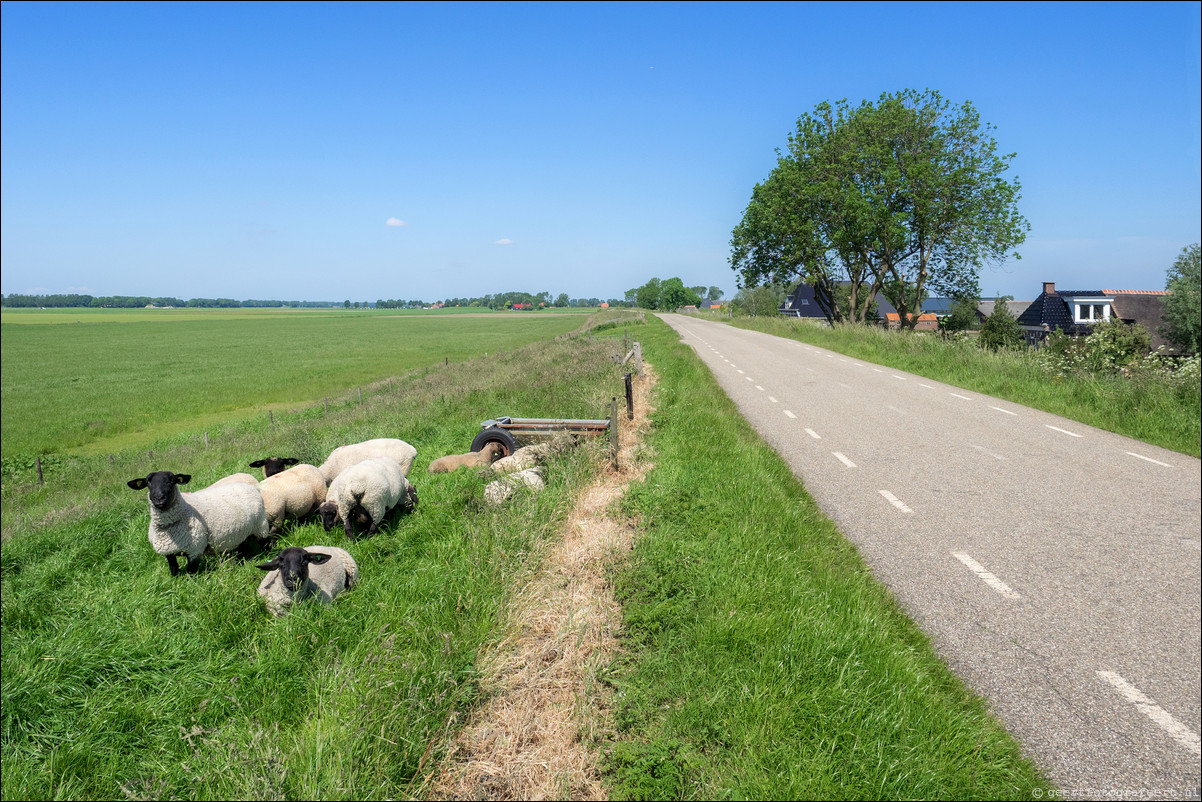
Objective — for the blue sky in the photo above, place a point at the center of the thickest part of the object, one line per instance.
(260, 150)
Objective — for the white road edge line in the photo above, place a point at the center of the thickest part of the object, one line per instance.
(790, 414)
(957, 395)
(843, 459)
(1062, 431)
(813, 434)
(990, 580)
(1149, 459)
(1179, 732)
(1008, 412)
(929, 387)
(895, 501)
(903, 378)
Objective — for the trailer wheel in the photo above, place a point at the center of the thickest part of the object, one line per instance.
(495, 434)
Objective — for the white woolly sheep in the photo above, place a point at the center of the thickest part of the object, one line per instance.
(364, 493)
(344, 457)
(236, 478)
(273, 465)
(293, 493)
(216, 519)
(314, 572)
(523, 458)
(472, 459)
(502, 489)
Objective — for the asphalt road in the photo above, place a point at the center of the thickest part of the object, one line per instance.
(1055, 566)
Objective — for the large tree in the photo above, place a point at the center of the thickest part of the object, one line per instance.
(1183, 306)
(905, 197)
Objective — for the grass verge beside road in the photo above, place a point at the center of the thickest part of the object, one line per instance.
(1154, 412)
(763, 661)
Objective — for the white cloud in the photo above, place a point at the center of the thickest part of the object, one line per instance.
(504, 241)
(395, 222)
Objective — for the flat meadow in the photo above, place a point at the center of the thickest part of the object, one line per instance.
(101, 380)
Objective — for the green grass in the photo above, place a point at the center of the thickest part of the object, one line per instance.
(1152, 411)
(763, 660)
(118, 681)
(120, 378)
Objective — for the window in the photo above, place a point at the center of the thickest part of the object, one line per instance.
(1090, 313)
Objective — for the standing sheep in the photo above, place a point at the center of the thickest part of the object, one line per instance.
(236, 478)
(320, 572)
(366, 492)
(294, 493)
(473, 459)
(217, 519)
(273, 465)
(344, 457)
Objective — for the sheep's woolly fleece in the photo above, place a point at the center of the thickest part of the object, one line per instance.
(530, 739)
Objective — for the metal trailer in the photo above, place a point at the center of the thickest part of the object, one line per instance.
(512, 433)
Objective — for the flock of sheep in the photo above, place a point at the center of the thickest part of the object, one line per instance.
(357, 485)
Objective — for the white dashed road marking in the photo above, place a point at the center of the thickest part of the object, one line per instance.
(1062, 431)
(1008, 412)
(1149, 459)
(990, 580)
(790, 414)
(957, 395)
(984, 450)
(895, 501)
(773, 400)
(843, 459)
(813, 434)
(1180, 733)
(761, 389)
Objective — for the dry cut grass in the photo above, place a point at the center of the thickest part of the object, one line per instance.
(536, 735)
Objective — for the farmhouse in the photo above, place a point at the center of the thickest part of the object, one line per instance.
(1075, 311)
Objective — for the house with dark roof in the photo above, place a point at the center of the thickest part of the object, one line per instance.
(985, 308)
(1075, 311)
(803, 303)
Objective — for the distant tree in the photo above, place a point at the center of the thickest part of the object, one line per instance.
(673, 294)
(963, 316)
(762, 301)
(346, 304)
(562, 299)
(632, 296)
(1001, 329)
(1183, 306)
(647, 295)
(714, 294)
(698, 291)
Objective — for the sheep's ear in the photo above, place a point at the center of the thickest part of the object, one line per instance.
(259, 463)
(271, 566)
(317, 559)
(291, 461)
(138, 484)
(182, 478)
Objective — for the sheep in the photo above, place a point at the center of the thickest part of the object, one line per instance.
(523, 458)
(364, 493)
(502, 489)
(294, 493)
(236, 478)
(273, 465)
(473, 459)
(296, 574)
(344, 457)
(217, 519)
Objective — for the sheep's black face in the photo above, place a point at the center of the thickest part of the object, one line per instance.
(273, 465)
(329, 514)
(162, 487)
(293, 564)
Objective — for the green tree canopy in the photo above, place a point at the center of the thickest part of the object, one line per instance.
(1001, 328)
(1183, 306)
(905, 196)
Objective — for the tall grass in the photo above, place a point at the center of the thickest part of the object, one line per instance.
(763, 660)
(119, 681)
(1164, 413)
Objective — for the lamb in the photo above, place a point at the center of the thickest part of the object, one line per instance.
(296, 574)
(273, 465)
(365, 492)
(473, 459)
(293, 493)
(216, 519)
(502, 489)
(236, 478)
(344, 457)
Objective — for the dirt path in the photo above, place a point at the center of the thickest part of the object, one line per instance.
(535, 736)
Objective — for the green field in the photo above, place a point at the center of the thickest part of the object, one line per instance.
(101, 380)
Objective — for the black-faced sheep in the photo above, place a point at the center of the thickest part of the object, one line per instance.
(473, 459)
(217, 519)
(344, 457)
(294, 493)
(317, 572)
(273, 465)
(364, 493)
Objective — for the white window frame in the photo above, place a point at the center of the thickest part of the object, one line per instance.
(1084, 309)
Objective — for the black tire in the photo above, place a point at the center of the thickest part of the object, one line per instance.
(495, 434)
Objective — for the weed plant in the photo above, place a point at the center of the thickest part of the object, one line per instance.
(119, 681)
(763, 661)
(1149, 401)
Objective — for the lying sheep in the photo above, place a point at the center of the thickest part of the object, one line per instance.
(364, 493)
(236, 478)
(293, 493)
(216, 519)
(273, 465)
(523, 458)
(344, 457)
(473, 459)
(502, 489)
(320, 572)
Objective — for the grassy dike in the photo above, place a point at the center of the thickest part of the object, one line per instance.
(117, 681)
(763, 661)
